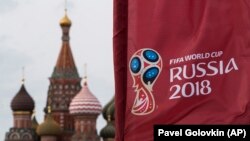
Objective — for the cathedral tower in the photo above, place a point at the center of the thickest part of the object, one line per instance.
(64, 84)
(22, 106)
(85, 108)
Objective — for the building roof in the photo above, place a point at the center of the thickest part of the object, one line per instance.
(22, 101)
(109, 130)
(65, 21)
(49, 127)
(65, 66)
(111, 111)
(106, 107)
(109, 114)
(85, 103)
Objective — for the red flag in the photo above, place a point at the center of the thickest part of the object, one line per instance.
(180, 62)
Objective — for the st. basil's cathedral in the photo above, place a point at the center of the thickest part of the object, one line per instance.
(71, 109)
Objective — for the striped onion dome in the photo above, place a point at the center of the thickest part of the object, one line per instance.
(85, 103)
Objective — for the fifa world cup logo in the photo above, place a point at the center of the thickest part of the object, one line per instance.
(145, 67)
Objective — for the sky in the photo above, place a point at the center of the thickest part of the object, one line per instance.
(30, 36)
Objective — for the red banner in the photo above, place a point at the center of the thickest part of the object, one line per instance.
(180, 62)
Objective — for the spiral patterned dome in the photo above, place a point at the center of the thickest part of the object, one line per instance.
(85, 103)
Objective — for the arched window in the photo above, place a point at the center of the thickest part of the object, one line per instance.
(14, 136)
(26, 136)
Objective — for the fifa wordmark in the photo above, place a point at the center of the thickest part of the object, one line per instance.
(190, 75)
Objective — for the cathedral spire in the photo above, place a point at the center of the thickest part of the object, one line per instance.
(65, 6)
(65, 83)
(65, 21)
(65, 67)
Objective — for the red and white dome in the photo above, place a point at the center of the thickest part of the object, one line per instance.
(85, 103)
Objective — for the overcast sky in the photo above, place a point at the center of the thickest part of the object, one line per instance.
(30, 36)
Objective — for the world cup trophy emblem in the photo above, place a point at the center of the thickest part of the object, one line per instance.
(145, 66)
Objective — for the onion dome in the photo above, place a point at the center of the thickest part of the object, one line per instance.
(65, 21)
(105, 109)
(34, 123)
(108, 131)
(109, 114)
(85, 103)
(22, 101)
(111, 110)
(49, 127)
